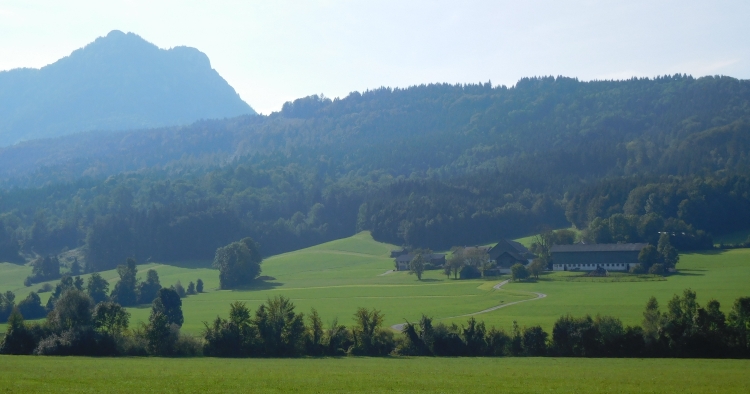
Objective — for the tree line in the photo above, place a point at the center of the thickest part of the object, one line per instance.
(78, 326)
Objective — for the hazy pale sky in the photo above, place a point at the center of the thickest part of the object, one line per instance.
(275, 51)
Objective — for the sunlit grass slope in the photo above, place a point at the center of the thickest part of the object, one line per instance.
(339, 276)
(723, 275)
(395, 375)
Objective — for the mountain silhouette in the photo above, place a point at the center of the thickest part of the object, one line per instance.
(117, 82)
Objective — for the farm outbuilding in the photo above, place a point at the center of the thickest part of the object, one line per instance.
(588, 257)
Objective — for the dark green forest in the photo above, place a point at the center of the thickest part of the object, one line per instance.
(431, 166)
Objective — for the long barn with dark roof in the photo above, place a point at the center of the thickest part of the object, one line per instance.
(585, 257)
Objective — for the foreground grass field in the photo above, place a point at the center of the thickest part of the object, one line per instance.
(438, 375)
(339, 276)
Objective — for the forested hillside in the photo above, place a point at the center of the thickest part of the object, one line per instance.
(117, 82)
(431, 165)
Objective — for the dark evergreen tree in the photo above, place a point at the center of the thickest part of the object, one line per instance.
(125, 292)
(169, 304)
(148, 289)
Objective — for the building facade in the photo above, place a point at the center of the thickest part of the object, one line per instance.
(402, 261)
(588, 257)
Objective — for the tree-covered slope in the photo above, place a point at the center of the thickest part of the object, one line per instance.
(117, 82)
(431, 165)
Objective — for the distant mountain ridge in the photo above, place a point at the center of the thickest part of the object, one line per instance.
(117, 82)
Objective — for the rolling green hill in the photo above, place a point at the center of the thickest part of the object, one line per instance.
(339, 276)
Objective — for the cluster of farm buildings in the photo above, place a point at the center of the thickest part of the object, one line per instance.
(576, 257)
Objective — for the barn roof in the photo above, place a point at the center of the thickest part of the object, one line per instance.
(598, 248)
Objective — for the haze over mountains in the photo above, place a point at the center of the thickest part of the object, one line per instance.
(433, 165)
(117, 82)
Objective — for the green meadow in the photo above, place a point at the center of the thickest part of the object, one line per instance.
(25, 374)
(339, 276)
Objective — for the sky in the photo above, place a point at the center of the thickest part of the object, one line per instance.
(276, 51)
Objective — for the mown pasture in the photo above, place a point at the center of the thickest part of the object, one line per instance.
(24, 374)
(339, 276)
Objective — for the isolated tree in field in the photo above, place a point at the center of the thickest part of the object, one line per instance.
(179, 289)
(110, 318)
(417, 264)
(536, 268)
(518, 272)
(97, 288)
(147, 289)
(191, 288)
(238, 263)
(124, 292)
(199, 286)
(168, 303)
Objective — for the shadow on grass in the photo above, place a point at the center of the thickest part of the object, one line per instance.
(693, 272)
(257, 285)
(710, 252)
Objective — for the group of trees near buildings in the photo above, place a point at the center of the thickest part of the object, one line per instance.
(429, 166)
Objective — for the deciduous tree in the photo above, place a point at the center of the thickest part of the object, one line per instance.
(518, 272)
(97, 288)
(169, 304)
(238, 263)
(125, 292)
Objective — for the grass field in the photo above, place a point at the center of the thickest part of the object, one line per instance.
(439, 375)
(339, 276)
